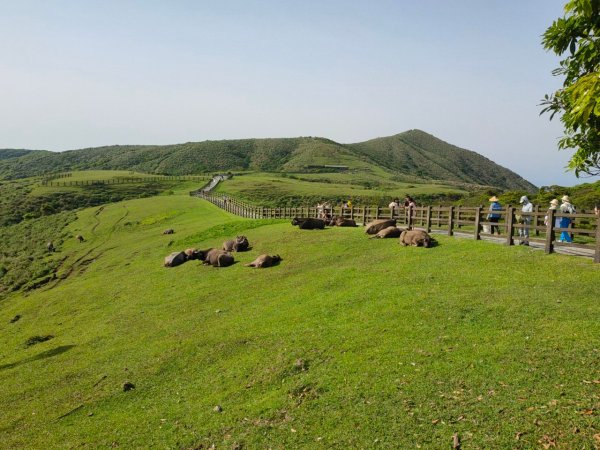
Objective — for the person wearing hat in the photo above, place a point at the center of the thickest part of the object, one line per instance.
(566, 208)
(553, 206)
(493, 216)
(527, 208)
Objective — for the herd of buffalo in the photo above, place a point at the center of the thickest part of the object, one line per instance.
(380, 228)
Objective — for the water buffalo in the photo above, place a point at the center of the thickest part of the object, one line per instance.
(80, 238)
(239, 244)
(376, 226)
(264, 261)
(308, 223)
(416, 238)
(192, 253)
(169, 231)
(338, 221)
(175, 259)
(216, 257)
(50, 247)
(389, 232)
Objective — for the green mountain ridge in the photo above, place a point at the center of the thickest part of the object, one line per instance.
(412, 154)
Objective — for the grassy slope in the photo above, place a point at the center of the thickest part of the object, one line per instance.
(27, 198)
(402, 346)
(270, 189)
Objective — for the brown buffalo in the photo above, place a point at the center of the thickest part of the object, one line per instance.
(239, 244)
(175, 259)
(80, 238)
(389, 232)
(338, 221)
(216, 257)
(264, 261)
(416, 238)
(376, 226)
(308, 223)
(169, 231)
(192, 253)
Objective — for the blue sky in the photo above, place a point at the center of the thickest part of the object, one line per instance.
(77, 74)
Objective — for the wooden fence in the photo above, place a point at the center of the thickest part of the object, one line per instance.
(125, 180)
(542, 226)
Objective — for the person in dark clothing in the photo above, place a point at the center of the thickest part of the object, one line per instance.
(494, 216)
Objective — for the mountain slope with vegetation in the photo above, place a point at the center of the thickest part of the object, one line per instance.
(413, 154)
(418, 153)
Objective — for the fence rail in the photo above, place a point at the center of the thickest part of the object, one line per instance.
(448, 219)
(124, 180)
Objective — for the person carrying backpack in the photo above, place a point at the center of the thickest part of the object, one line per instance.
(493, 216)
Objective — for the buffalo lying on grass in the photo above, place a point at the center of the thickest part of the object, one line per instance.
(308, 223)
(416, 238)
(338, 221)
(376, 226)
(175, 259)
(264, 261)
(239, 244)
(216, 257)
(192, 253)
(169, 231)
(389, 232)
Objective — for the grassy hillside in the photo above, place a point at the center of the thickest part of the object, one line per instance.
(26, 199)
(410, 155)
(273, 190)
(421, 154)
(348, 343)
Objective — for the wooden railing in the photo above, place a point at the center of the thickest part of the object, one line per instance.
(124, 180)
(449, 219)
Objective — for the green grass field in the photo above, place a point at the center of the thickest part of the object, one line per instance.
(271, 189)
(348, 343)
(84, 175)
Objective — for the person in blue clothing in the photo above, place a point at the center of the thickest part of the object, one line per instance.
(568, 208)
(494, 216)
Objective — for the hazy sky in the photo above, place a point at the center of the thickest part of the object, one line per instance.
(77, 74)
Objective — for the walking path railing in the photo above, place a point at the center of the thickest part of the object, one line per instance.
(539, 227)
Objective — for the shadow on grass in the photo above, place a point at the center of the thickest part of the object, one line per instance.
(43, 355)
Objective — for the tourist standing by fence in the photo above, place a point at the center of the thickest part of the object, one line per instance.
(526, 209)
(567, 208)
(493, 216)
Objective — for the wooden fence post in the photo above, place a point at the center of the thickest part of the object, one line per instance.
(510, 216)
(536, 209)
(597, 253)
(458, 217)
(409, 220)
(451, 221)
(377, 213)
(428, 220)
(549, 247)
(477, 220)
(364, 215)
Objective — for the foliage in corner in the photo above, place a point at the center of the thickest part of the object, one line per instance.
(579, 99)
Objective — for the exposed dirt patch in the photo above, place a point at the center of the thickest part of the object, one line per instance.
(303, 393)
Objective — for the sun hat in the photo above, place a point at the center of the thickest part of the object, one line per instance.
(524, 199)
(493, 199)
(554, 202)
(565, 198)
